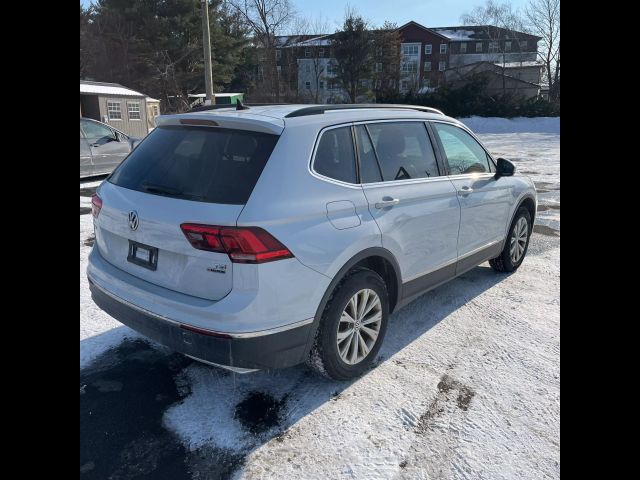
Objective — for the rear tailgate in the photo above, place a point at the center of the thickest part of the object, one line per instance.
(179, 174)
(179, 267)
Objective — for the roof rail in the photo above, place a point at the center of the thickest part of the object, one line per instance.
(318, 109)
(245, 106)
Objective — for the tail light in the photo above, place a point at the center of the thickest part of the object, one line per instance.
(96, 205)
(242, 244)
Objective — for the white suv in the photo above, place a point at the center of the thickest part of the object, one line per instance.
(264, 236)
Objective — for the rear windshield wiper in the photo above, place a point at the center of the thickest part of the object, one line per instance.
(168, 191)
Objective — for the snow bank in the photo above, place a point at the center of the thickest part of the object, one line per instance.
(512, 125)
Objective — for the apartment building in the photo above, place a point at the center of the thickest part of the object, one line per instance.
(306, 63)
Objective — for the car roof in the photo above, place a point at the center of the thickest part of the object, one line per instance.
(274, 118)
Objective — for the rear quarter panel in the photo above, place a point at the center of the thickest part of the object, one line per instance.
(291, 203)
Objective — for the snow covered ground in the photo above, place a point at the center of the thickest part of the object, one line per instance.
(466, 385)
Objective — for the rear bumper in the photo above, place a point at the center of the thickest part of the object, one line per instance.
(255, 351)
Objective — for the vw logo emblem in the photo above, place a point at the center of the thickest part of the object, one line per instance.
(133, 220)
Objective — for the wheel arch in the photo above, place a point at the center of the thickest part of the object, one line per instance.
(377, 259)
(529, 202)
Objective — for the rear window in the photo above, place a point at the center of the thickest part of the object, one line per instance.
(335, 157)
(197, 163)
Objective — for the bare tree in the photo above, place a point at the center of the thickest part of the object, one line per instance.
(496, 18)
(543, 18)
(267, 19)
(316, 50)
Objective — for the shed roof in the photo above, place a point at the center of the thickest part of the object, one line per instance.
(102, 88)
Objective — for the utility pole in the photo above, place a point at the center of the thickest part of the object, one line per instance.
(206, 40)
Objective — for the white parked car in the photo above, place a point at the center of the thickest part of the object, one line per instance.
(267, 236)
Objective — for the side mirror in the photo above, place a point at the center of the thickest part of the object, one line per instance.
(504, 168)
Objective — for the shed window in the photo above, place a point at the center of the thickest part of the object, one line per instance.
(114, 110)
(133, 109)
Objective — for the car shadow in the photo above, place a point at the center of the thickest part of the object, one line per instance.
(157, 414)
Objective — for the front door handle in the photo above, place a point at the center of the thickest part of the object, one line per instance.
(387, 202)
(465, 191)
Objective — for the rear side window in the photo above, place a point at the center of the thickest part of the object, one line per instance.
(197, 163)
(335, 157)
(464, 154)
(404, 150)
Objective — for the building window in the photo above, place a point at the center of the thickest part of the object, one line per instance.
(307, 85)
(378, 67)
(409, 67)
(427, 66)
(404, 85)
(463, 47)
(507, 46)
(307, 52)
(156, 111)
(478, 46)
(113, 109)
(279, 69)
(494, 47)
(443, 48)
(410, 49)
(442, 66)
(331, 68)
(133, 108)
(321, 52)
(321, 85)
(427, 49)
(378, 84)
(523, 44)
(278, 54)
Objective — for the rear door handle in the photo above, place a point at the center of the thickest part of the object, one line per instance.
(465, 191)
(387, 202)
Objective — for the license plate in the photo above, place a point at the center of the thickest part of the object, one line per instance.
(144, 255)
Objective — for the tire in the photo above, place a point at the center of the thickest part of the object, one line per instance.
(505, 262)
(325, 356)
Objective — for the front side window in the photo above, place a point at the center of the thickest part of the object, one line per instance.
(443, 48)
(114, 110)
(307, 52)
(427, 66)
(523, 44)
(464, 154)
(427, 49)
(463, 47)
(307, 85)
(335, 157)
(133, 109)
(403, 150)
(478, 46)
(507, 46)
(494, 47)
(96, 131)
(442, 66)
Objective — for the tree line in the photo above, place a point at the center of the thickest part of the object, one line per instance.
(155, 46)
